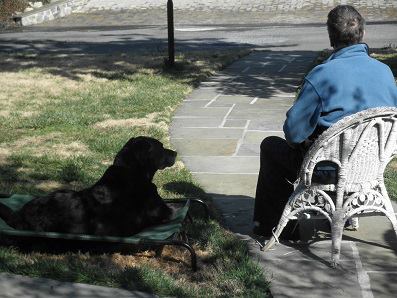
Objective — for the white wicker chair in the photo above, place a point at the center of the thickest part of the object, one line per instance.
(361, 146)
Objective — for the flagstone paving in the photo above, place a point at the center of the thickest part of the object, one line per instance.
(219, 128)
(217, 132)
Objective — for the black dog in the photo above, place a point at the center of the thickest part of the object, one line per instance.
(121, 203)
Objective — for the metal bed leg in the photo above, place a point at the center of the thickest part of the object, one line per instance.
(193, 256)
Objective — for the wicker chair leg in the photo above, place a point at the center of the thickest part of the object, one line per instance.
(280, 227)
(337, 233)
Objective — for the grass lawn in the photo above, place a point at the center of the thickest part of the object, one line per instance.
(389, 56)
(64, 117)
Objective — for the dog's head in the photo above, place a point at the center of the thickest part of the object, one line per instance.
(145, 153)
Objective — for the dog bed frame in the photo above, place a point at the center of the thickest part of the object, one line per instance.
(169, 233)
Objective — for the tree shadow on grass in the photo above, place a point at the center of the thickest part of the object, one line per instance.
(118, 60)
(15, 179)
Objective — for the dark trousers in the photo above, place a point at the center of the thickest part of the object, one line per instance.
(279, 168)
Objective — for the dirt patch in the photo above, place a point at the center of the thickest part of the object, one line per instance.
(393, 164)
(4, 154)
(149, 120)
(48, 186)
(71, 149)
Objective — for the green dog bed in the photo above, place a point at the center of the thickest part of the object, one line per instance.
(156, 236)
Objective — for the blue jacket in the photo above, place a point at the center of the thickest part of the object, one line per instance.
(349, 81)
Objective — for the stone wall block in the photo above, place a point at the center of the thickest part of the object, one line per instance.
(52, 11)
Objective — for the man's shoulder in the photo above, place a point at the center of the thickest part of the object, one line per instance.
(320, 72)
(339, 68)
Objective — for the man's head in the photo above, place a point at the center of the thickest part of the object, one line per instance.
(345, 26)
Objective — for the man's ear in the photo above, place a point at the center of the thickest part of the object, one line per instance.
(331, 39)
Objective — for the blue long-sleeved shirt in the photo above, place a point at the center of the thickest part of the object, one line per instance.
(349, 81)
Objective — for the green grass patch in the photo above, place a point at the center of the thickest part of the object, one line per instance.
(389, 57)
(64, 117)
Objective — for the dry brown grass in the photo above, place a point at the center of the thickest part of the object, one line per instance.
(4, 154)
(32, 89)
(52, 144)
(49, 185)
(149, 120)
(392, 164)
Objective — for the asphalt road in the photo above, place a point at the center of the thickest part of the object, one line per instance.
(193, 37)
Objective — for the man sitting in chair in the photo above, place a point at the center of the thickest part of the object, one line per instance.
(347, 82)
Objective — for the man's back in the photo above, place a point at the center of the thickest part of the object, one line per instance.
(351, 81)
(348, 82)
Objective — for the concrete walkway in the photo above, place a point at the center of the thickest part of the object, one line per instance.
(218, 129)
(217, 132)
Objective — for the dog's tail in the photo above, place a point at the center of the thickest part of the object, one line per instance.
(6, 213)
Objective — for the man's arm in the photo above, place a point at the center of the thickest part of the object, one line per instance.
(302, 117)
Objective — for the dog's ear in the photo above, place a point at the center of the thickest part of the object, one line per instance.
(134, 152)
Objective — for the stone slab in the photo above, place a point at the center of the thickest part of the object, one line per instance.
(256, 137)
(222, 164)
(249, 150)
(213, 84)
(208, 133)
(201, 112)
(376, 229)
(234, 99)
(13, 286)
(383, 284)
(319, 250)
(284, 102)
(237, 211)
(265, 105)
(266, 124)
(376, 257)
(228, 184)
(195, 122)
(205, 147)
(235, 123)
(194, 104)
(303, 270)
(204, 93)
(254, 113)
(215, 103)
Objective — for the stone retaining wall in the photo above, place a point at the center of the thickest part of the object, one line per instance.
(373, 10)
(50, 12)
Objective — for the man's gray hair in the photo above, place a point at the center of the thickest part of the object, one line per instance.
(345, 26)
